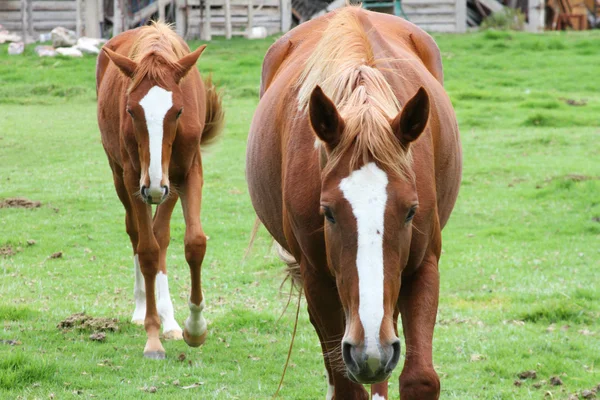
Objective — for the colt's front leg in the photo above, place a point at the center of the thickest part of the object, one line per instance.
(148, 253)
(195, 331)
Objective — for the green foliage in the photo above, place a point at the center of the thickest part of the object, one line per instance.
(507, 19)
(519, 271)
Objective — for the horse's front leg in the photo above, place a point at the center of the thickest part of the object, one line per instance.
(162, 232)
(418, 305)
(195, 331)
(148, 252)
(327, 316)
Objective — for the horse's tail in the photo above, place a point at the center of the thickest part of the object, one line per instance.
(215, 117)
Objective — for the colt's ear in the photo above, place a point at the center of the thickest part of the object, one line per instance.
(324, 118)
(125, 64)
(187, 62)
(411, 121)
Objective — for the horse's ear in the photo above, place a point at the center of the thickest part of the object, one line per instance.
(125, 64)
(411, 121)
(324, 118)
(187, 62)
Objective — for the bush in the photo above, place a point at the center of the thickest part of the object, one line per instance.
(507, 19)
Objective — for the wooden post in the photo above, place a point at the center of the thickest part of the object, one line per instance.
(206, 21)
(78, 22)
(91, 22)
(180, 18)
(461, 16)
(286, 15)
(24, 20)
(117, 18)
(227, 19)
(536, 15)
(161, 10)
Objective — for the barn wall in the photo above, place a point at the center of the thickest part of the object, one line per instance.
(437, 15)
(39, 16)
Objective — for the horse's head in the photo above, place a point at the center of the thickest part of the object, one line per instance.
(154, 104)
(368, 206)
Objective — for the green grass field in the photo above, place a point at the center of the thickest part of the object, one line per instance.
(519, 273)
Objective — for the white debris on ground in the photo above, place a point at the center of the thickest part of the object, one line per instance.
(45, 51)
(69, 51)
(16, 48)
(62, 37)
(64, 42)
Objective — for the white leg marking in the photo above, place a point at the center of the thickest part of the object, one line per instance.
(366, 191)
(376, 396)
(165, 306)
(330, 387)
(195, 324)
(139, 293)
(156, 103)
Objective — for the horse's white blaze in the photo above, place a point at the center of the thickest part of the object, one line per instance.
(196, 324)
(156, 103)
(330, 387)
(139, 292)
(377, 396)
(366, 191)
(164, 305)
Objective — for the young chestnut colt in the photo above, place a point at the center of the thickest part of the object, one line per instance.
(354, 165)
(154, 113)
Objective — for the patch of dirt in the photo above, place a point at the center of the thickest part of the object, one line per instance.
(81, 321)
(527, 375)
(98, 337)
(58, 254)
(19, 202)
(556, 381)
(7, 250)
(11, 342)
(596, 219)
(573, 102)
(588, 394)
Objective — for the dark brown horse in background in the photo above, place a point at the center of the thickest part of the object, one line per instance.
(354, 166)
(155, 113)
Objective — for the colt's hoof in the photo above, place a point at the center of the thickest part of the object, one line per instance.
(137, 321)
(194, 341)
(175, 334)
(155, 355)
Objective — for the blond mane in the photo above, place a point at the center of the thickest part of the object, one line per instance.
(156, 50)
(344, 65)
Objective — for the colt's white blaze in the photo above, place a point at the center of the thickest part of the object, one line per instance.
(365, 190)
(156, 103)
(164, 306)
(330, 387)
(376, 396)
(139, 293)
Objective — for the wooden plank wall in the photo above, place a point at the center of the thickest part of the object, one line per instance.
(267, 13)
(45, 15)
(437, 15)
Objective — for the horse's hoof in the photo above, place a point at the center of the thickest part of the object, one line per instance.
(174, 334)
(137, 321)
(155, 355)
(194, 341)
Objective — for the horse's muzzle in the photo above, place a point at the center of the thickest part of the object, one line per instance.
(154, 195)
(370, 368)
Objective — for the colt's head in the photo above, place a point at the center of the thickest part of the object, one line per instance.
(153, 108)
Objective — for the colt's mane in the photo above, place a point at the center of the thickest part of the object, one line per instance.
(156, 50)
(344, 65)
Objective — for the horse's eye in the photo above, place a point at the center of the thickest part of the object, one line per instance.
(130, 112)
(411, 214)
(179, 112)
(328, 214)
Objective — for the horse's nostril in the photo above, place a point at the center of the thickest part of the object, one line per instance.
(144, 191)
(165, 191)
(393, 361)
(347, 355)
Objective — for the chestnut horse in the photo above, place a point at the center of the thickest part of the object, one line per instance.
(155, 113)
(354, 166)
